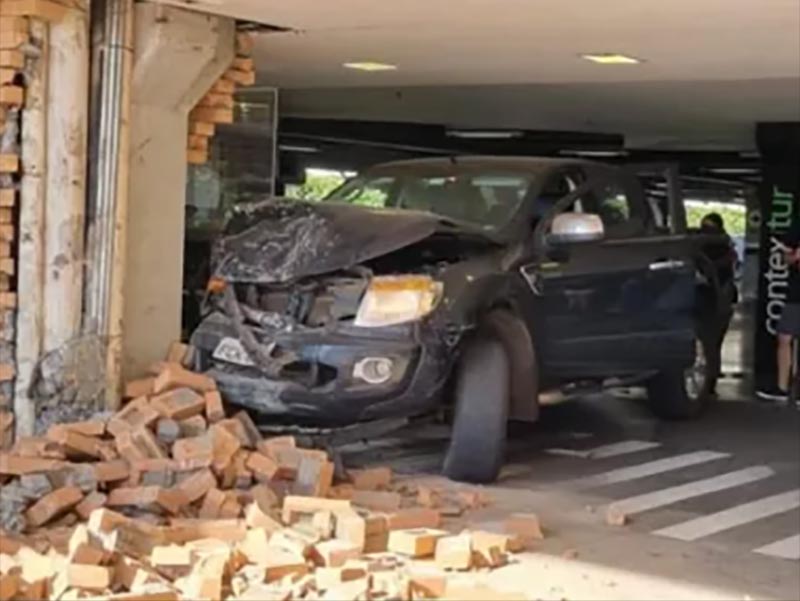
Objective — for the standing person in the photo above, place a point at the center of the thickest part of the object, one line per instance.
(717, 311)
(789, 325)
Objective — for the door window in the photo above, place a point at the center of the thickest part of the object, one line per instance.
(614, 207)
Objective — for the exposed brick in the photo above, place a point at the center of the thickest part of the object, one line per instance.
(136, 414)
(75, 444)
(90, 502)
(145, 440)
(83, 577)
(374, 478)
(212, 504)
(225, 446)
(111, 471)
(139, 388)
(53, 505)
(178, 404)
(91, 427)
(418, 543)
(416, 517)
(454, 552)
(314, 477)
(6, 430)
(271, 446)
(197, 448)
(194, 426)
(198, 484)
(377, 500)
(174, 376)
(334, 553)
(85, 547)
(14, 465)
(178, 352)
(524, 525)
(263, 467)
(294, 507)
(184, 530)
(255, 517)
(215, 411)
(40, 447)
(253, 433)
(280, 563)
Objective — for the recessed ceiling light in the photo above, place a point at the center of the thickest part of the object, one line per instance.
(296, 148)
(594, 153)
(610, 58)
(734, 170)
(370, 66)
(484, 134)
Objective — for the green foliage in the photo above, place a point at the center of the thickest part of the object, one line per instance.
(734, 216)
(316, 187)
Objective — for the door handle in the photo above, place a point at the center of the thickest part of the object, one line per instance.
(664, 265)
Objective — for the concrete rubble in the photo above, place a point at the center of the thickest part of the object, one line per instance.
(175, 496)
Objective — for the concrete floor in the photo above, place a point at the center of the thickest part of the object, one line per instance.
(550, 472)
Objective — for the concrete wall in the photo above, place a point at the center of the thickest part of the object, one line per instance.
(178, 56)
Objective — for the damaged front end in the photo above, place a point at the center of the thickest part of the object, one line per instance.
(361, 340)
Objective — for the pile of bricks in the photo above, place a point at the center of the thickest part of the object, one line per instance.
(174, 498)
(217, 105)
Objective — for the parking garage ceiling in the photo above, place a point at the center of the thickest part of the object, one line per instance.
(708, 70)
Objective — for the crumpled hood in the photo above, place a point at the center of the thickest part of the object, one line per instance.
(280, 240)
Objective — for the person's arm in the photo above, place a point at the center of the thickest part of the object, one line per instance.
(792, 243)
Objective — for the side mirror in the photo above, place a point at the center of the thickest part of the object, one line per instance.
(570, 228)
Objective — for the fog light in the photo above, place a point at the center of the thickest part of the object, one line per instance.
(374, 370)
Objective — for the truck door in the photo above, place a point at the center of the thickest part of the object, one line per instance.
(617, 306)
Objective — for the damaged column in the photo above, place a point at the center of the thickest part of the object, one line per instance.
(178, 56)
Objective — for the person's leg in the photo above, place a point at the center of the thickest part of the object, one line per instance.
(784, 361)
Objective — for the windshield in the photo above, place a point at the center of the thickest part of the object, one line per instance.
(488, 200)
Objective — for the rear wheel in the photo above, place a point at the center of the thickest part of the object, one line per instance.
(482, 390)
(684, 394)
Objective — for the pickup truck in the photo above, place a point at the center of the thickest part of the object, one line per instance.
(474, 282)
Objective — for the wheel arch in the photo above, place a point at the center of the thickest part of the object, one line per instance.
(504, 321)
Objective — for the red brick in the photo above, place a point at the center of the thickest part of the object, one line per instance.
(178, 353)
(14, 465)
(92, 501)
(83, 577)
(334, 553)
(418, 543)
(454, 552)
(110, 471)
(250, 428)
(262, 466)
(524, 525)
(194, 426)
(416, 517)
(197, 448)
(295, 506)
(212, 504)
(371, 479)
(198, 484)
(76, 445)
(127, 447)
(174, 376)
(139, 388)
(6, 430)
(377, 500)
(314, 477)
(143, 438)
(270, 446)
(39, 447)
(138, 413)
(91, 427)
(185, 530)
(231, 508)
(255, 517)
(53, 505)
(214, 408)
(225, 446)
(178, 404)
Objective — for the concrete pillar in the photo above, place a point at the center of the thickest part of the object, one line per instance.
(178, 56)
(67, 120)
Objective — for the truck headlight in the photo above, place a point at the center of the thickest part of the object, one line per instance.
(391, 300)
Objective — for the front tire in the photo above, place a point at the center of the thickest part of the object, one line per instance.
(685, 394)
(482, 390)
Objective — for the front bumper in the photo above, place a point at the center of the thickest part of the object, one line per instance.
(421, 359)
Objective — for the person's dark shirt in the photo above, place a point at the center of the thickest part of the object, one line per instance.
(792, 240)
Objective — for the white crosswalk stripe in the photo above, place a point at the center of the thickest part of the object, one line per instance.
(733, 517)
(788, 548)
(674, 494)
(610, 450)
(651, 468)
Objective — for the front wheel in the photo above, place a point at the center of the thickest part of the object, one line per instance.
(683, 394)
(482, 390)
